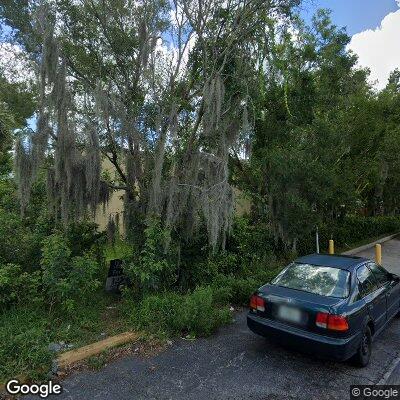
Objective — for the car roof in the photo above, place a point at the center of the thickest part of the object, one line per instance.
(334, 260)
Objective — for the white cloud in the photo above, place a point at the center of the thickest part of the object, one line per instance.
(379, 49)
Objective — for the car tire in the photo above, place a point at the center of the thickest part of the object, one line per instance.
(363, 355)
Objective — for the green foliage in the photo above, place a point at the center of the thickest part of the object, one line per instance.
(6, 123)
(252, 240)
(173, 313)
(17, 287)
(20, 238)
(236, 289)
(19, 101)
(200, 272)
(152, 269)
(160, 313)
(321, 147)
(82, 236)
(24, 336)
(120, 249)
(26, 332)
(349, 231)
(97, 362)
(16, 105)
(200, 315)
(14, 238)
(68, 280)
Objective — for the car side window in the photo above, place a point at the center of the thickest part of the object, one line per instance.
(380, 274)
(366, 281)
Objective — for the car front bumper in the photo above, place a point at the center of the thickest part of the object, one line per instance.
(336, 348)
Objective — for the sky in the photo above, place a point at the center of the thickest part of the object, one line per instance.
(355, 15)
(374, 27)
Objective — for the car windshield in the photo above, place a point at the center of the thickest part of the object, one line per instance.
(325, 281)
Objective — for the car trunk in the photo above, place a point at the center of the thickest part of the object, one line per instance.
(296, 308)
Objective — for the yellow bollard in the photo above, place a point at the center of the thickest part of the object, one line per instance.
(331, 247)
(378, 254)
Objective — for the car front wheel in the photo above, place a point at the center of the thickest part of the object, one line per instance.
(363, 355)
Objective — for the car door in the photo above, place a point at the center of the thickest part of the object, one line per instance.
(384, 278)
(373, 295)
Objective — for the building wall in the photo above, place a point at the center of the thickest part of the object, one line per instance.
(116, 204)
(242, 203)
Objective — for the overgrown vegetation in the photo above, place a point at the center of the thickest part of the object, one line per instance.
(28, 330)
(171, 313)
(186, 104)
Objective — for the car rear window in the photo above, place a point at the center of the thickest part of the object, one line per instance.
(325, 281)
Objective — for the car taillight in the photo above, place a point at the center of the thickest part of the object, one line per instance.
(322, 320)
(332, 322)
(257, 303)
(337, 323)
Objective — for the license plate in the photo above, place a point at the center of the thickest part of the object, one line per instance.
(289, 314)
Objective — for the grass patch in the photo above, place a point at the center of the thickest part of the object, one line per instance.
(97, 362)
(26, 333)
(170, 314)
(24, 337)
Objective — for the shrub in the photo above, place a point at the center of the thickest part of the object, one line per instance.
(242, 289)
(222, 290)
(200, 315)
(171, 313)
(160, 313)
(253, 242)
(82, 236)
(153, 270)
(237, 289)
(17, 287)
(234, 290)
(14, 239)
(204, 271)
(65, 278)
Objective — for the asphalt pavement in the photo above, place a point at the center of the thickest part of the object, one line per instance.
(237, 364)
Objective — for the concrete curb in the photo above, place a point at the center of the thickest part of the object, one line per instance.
(369, 245)
(70, 357)
(73, 356)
